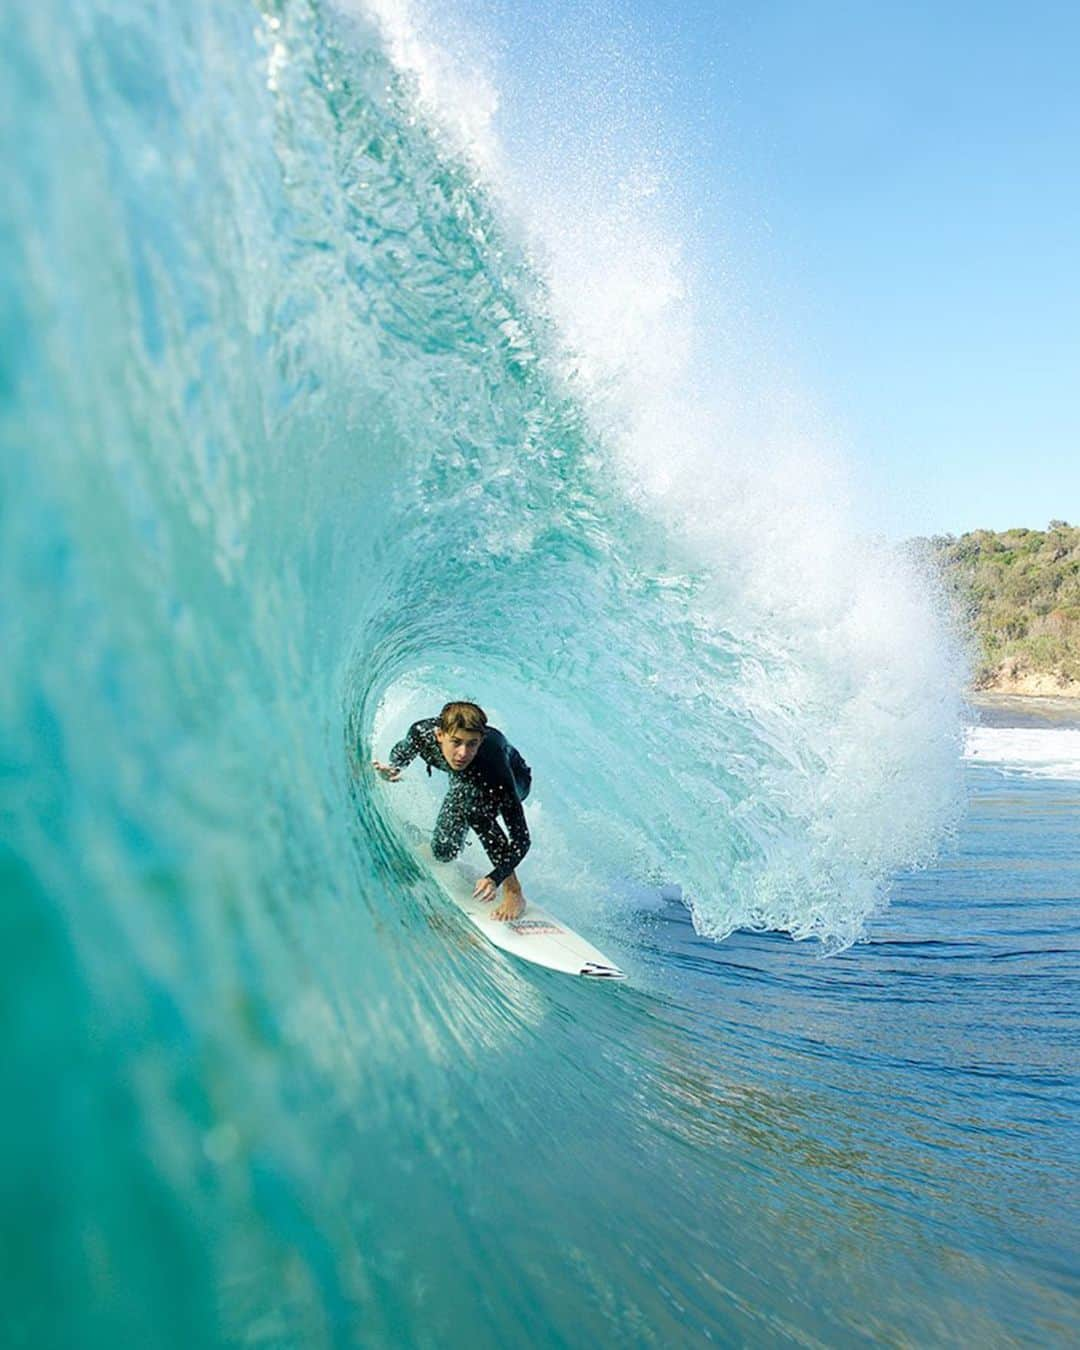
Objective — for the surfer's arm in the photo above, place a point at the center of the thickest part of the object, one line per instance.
(401, 756)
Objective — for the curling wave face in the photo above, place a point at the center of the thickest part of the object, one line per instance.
(320, 388)
(294, 447)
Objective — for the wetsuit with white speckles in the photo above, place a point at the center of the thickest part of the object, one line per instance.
(494, 784)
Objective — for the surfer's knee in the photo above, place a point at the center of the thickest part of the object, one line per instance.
(445, 850)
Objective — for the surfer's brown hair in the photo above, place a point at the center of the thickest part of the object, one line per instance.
(463, 717)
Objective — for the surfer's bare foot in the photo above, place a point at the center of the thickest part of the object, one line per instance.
(512, 906)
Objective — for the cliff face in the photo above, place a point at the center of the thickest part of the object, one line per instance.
(1018, 594)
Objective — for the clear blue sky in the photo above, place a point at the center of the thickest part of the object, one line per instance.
(901, 185)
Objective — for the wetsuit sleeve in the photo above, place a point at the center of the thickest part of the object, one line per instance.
(506, 854)
(407, 748)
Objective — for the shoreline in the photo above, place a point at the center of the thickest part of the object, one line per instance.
(992, 708)
(994, 698)
(1029, 685)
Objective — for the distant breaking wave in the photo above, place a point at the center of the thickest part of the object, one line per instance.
(1051, 752)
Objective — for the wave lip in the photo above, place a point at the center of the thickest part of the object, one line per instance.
(1050, 752)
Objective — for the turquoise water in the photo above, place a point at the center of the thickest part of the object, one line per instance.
(304, 427)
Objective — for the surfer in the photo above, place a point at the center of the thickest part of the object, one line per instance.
(488, 779)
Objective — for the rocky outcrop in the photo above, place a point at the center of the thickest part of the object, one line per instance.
(1012, 678)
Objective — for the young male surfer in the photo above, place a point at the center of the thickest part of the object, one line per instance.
(488, 779)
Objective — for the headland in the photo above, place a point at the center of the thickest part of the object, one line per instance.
(1016, 595)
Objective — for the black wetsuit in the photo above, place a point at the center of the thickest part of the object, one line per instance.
(494, 784)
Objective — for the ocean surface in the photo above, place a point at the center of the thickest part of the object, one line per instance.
(319, 404)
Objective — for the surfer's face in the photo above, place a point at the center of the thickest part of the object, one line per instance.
(459, 747)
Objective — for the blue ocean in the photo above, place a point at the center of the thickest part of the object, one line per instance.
(321, 403)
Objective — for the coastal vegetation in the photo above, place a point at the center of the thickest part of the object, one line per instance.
(1016, 593)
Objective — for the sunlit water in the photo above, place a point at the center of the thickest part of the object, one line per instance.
(303, 429)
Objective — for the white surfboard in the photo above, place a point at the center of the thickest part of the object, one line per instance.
(537, 936)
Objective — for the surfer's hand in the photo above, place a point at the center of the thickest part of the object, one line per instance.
(388, 771)
(484, 889)
(512, 907)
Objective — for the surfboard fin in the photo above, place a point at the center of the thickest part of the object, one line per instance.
(600, 972)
